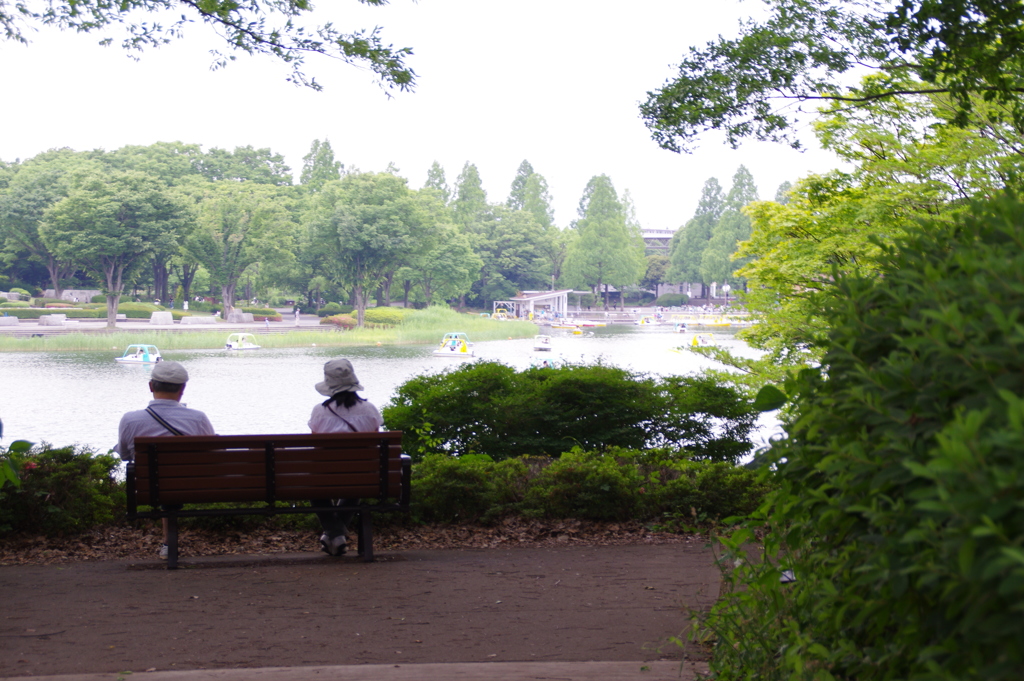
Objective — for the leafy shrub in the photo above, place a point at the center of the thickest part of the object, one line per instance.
(21, 292)
(389, 316)
(331, 309)
(62, 491)
(901, 478)
(447, 489)
(16, 303)
(264, 311)
(586, 486)
(490, 408)
(73, 313)
(43, 302)
(59, 306)
(342, 321)
(672, 300)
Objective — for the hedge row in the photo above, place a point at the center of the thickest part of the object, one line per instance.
(68, 490)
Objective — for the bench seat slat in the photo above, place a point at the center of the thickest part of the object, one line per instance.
(303, 494)
(211, 468)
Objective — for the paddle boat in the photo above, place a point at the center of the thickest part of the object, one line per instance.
(647, 320)
(455, 344)
(241, 341)
(542, 343)
(680, 327)
(702, 339)
(546, 361)
(140, 354)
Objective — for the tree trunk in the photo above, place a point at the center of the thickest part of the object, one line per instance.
(188, 273)
(114, 287)
(386, 287)
(58, 271)
(407, 285)
(227, 296)
(160, 279)
(357, 293)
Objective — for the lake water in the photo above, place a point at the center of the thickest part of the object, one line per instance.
(66, 398)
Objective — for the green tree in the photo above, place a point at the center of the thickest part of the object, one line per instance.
(510, 244)
(899, 478)
(537, 200)
(370, 227)
(32, 188)
(450, 267)
(239, 224)
(436, 181)
(804, 51)
(517, 194)
(111, 223)
(277, 30)
(690, 241)
(470, 202)
(607, 252)
(657, 267)
(245, 164)
(717, 263)
(319, 166)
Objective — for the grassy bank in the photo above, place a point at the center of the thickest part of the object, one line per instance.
(419, 328)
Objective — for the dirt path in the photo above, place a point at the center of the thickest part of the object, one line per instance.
(607, 603)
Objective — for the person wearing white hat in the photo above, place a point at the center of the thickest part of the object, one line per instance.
(164, 416)
(342, 412)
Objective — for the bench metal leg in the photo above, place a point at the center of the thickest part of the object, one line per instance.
(172, 542)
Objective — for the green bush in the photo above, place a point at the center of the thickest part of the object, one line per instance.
(21, 292)
(342, 321)
(473, 488)
(588, 486)
(330, 309)
(35, 313)
(261, 313)
(16, 303)
(490, 408)
(901, 478)
(62, 491)
(672, 300)
(43, 302)
(389, 316)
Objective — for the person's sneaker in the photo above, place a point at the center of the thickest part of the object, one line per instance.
(333, 546)
(163, 552)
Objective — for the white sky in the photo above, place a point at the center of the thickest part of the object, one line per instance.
(555, 82)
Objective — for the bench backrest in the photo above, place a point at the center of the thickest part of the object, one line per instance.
(247, 468)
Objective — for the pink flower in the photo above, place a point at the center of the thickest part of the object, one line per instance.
(29, 465)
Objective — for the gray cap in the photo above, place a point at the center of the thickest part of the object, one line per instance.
(339, 376)
(169, 372)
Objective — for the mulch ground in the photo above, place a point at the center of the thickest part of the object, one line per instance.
(519, 591)
(142, 541)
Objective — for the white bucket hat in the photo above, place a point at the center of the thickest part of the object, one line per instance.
(339, 376)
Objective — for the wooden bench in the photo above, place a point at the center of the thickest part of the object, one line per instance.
(282, 472)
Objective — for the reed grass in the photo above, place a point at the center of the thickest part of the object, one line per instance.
(419, 328)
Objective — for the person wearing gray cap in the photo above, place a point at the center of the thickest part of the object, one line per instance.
(165, 416)
(342, 412)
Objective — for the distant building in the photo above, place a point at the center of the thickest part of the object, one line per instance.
(658, 240)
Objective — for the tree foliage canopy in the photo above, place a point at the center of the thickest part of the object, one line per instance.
(271, 27)
(804, 50)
